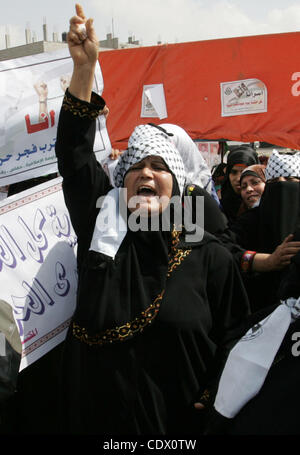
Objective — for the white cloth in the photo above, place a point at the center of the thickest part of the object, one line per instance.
(196, 168)
(111, 227)
(251, 358)
(111, 166)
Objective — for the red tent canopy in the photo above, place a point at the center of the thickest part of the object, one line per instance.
(191, 74)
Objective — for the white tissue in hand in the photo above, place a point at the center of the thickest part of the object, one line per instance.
(82, 30)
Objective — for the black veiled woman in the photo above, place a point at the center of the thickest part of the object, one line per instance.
(153, 309)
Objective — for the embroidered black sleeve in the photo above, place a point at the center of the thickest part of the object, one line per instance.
(82, 108)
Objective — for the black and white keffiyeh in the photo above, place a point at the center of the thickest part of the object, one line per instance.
(283, 165)
(146, 141)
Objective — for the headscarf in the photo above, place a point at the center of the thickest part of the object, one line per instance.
(231, 201)
(196, 168)
(257, 170)
(215, 222)
(219, 174)
(279, 210)
(283, 165)
(146, 141)
(241, 154)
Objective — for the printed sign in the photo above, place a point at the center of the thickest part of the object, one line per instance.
(243, 97)
(31, 94)
(154, 101)
(38, 270)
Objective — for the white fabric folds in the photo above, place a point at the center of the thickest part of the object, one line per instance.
(251, 358)
(111, 227)
(195, 166)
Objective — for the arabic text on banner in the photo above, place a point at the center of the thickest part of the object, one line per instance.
(248, 96)
(38, 266)
(27, 126)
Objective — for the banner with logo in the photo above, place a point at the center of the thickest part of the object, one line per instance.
(243, 97)
(31, 94)
(257, 78)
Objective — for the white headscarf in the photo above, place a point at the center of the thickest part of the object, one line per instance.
(196, 168)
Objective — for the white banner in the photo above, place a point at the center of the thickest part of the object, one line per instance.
(38, 271)
(243, 97)
(31, 94)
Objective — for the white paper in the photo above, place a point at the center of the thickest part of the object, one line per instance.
(154, 102)
(243, 97)
(28, 134)
(111, 227)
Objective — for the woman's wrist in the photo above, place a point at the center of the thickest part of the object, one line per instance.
(262, 262)
(82, 81)
(85, 67)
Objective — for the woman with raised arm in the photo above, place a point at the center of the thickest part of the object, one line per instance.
(155, 306)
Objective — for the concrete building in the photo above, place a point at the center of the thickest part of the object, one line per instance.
(113, 43)
(30, 49)
(32, 46)
(37, 47)
(109, 42)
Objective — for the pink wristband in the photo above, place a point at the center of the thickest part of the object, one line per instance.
(246, 261)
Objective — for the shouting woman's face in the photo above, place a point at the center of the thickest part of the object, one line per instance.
(149, 186)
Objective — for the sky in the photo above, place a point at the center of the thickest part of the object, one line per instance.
(150, 21)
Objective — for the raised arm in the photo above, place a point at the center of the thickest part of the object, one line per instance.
(84, 180)
(84, 49)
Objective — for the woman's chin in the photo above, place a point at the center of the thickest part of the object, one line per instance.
(145, 209)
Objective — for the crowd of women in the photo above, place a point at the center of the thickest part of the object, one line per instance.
(160, 312)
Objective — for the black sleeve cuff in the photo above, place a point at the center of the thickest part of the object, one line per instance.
(82, 108)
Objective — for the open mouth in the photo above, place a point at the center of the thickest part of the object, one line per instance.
(146, 191)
